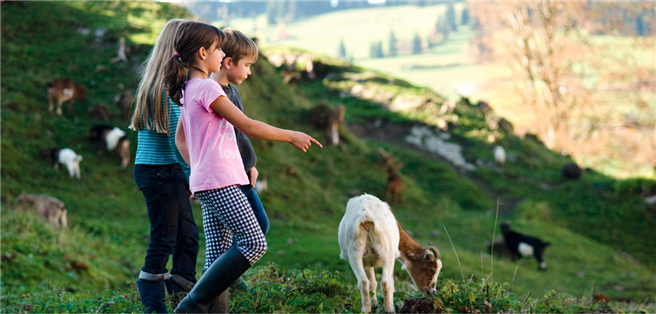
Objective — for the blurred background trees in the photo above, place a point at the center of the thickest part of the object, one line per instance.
(576, 95)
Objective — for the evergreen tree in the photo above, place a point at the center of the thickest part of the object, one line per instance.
(271, 13)
(464, 18)
(376, 49)
(640, 26)
(392, 44)
(451, 17)
(341, 52)
(416, 44)
(442, 28)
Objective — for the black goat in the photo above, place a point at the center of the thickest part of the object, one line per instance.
(521, 245)
(571, 171)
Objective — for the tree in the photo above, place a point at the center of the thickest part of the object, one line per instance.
(464, 18)
(392, 44)
(550, 50)
(376, 49)
(416, 45)
(451, 17)
(442, 28)
(341, 51)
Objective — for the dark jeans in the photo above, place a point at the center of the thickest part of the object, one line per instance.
(172, 226)
(258, 209)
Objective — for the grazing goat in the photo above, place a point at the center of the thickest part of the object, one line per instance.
(67, 157)
(48, 208)
(499, 155)
(324, 118)
(571, 171)
(112, 138)
(522, 245)
(394, 189)
(369, 236)
(63, 90)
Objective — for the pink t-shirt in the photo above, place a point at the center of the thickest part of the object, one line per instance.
(214, 157)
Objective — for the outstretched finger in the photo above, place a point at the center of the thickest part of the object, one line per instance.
(316, 142)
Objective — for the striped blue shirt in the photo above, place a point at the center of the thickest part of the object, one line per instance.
(158, 148)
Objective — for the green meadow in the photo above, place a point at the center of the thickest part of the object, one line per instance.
(599, 228)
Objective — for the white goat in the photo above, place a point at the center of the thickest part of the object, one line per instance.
(369, 236)
(500, 155)
(72, 161)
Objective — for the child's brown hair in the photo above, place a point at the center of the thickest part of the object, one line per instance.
(191, 37)
(238, 46)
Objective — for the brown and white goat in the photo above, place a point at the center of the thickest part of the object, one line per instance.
(328, 120)
(47, 207)
(369, 236)
(112, 138)
(394, 189)
(63, 90)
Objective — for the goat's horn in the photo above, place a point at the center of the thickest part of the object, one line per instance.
(435, 250)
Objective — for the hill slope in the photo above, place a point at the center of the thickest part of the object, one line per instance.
(307, 194)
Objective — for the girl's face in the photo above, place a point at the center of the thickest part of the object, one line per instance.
(214, 57)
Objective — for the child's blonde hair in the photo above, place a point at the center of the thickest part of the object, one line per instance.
(148, 111)
(238, 46)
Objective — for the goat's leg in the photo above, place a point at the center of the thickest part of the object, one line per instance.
(50, 103)
(363, 283)
(125, 156)
(372, 285)
(59, 106)
(77, 171)
(387, 281)
(71, 170)
(62, 218)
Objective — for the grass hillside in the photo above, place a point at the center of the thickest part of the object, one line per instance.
(84, 268)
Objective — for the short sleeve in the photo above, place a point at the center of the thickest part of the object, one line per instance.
(208, 91)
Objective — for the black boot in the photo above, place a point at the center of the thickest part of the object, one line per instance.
(152, 294)
(177, 287)
(226, 269)
(222, 303)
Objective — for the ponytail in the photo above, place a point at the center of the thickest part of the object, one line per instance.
(176, 76)
(191, 37)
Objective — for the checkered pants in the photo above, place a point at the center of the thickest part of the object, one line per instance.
(226, 211)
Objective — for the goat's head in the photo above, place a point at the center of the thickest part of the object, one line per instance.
(424, 270)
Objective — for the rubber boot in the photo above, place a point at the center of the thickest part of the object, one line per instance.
(226, 269)
(222, 303)
(152, 294)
